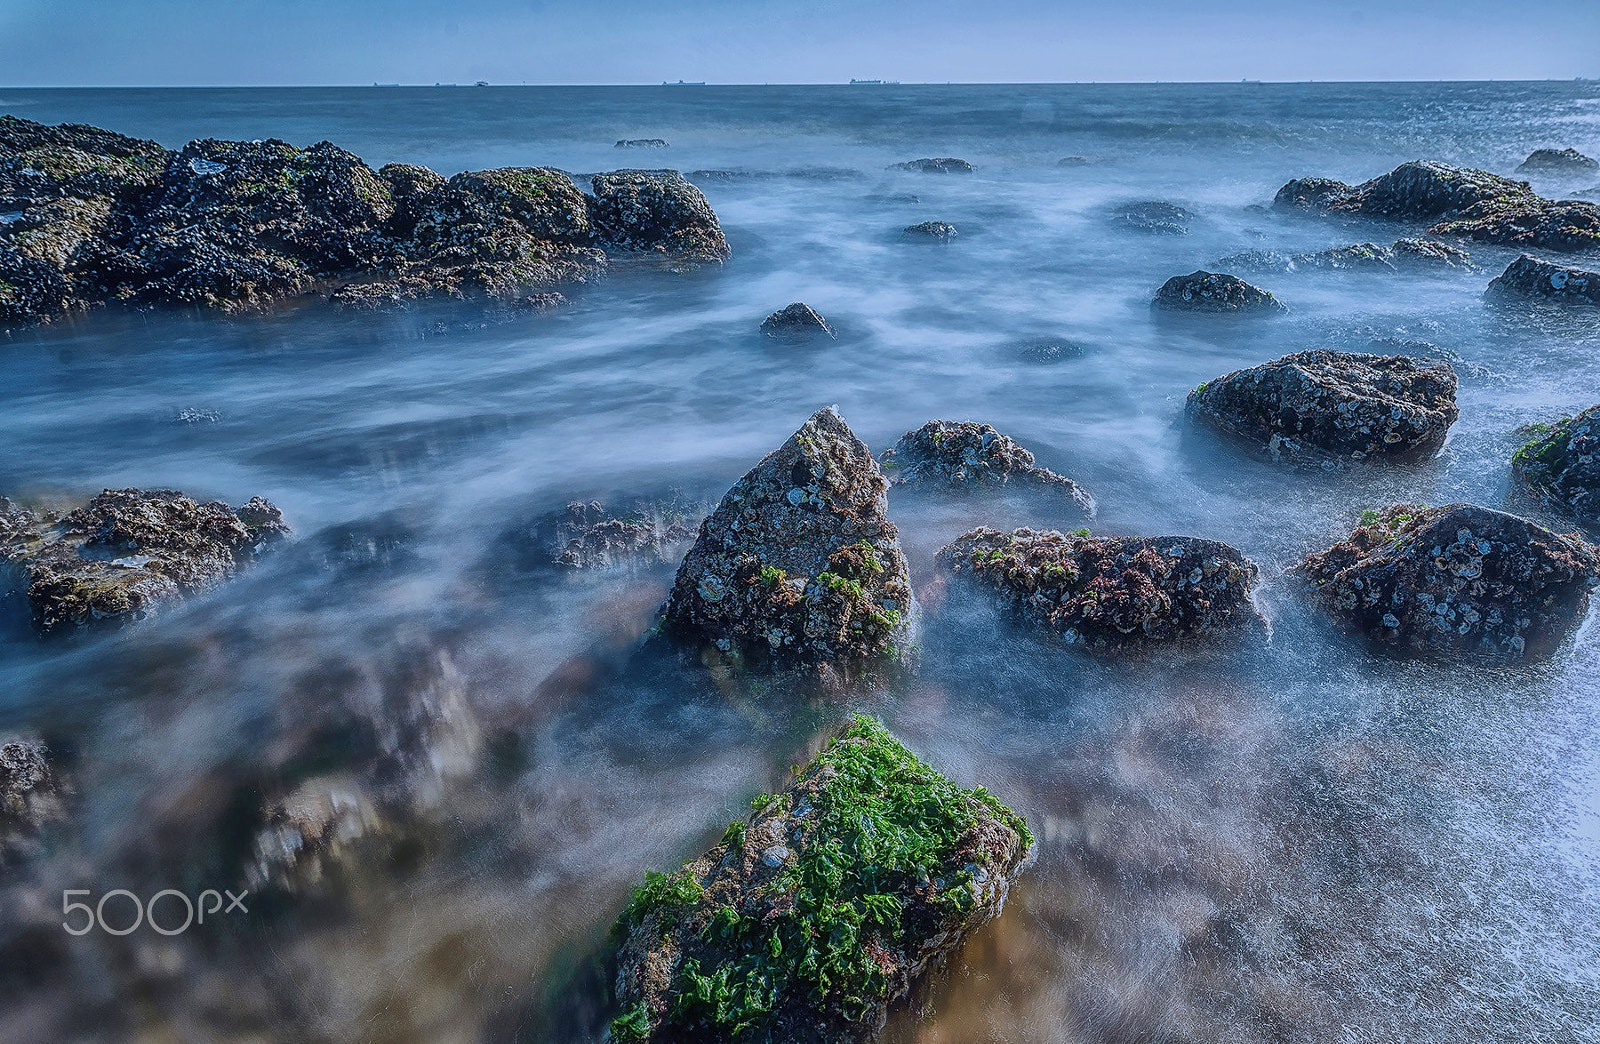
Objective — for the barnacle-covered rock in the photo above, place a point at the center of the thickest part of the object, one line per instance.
(1561, 463)
(1320, 405)
(799, 565)
(1110, 592)
(1457, 581)
(657, 211)
(796, 322)
(1529, 278)
(809, 920)
(964, 453)
(1203, 291)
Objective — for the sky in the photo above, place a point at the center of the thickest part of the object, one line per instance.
(243, 42)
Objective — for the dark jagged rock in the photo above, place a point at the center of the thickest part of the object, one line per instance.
(642, 143)
(1457, 581)
(1110, 592)
(31, 795)
(930, 232)
(1529, 278)
(1154, 216)
(799, 565)
(118, 558)
(936, 165)
(1325, 405)
(809, 920)
(957, 453)
(1203, 291)
(1561, 463)
(1558, 162)
(796, 322)
(93, 217)
(1458, 202)
(657, 210)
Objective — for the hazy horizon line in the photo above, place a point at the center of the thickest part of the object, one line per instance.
(440, 85)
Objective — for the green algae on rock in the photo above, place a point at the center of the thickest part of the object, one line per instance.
(799, 565)
(1457, 581)
(967, 454)
(1111, 592)
(1561, 464)
(809, 920)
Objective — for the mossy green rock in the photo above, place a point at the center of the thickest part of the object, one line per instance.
(1561, 463)
(811, 919)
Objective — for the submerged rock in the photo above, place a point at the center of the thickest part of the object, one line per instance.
(588, 536)
(1202, 291)
(1459, 201)
(1532, 279)
(1410, 252)
(1110, 592)
(808, 921)
(118, 558)
(1561, 463)
(1457, 581)
(1558, 162)
(796, 322)
(1073, 161)
(1325, 404)
(963, 453)
(930, 232)
(937, 165)
(799, 565)
(1417, 252)
(1155, 216)
(30, 795)
(642, 143)
(658, 211)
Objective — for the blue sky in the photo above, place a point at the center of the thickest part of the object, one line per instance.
(162, 42)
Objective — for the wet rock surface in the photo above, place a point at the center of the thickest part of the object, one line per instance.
(1326, 405)
(118, 558)
(642, 143)
(1408, 253)
(822, 910)
(936, 165)
(1111, 592)
(31, 795)
(1561, 463)
(238, 225)
(796, 322)
(1156, 217)
(1529, 278)
(930, 232)
(968, 454)
(1458, 201)
(1558, 162)
(1456, 581)
(798, 566)
(587, 535)
(1203, 291)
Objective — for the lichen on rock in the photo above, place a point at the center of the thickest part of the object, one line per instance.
(1110, 592)
(815, 915)
(1561, 464)
(969, 454)
(1456, 581)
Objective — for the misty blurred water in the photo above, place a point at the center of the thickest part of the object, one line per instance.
(1290, 841)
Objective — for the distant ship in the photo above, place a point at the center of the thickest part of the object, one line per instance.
(386, 85)
(683, 83)
(880, 83)
(481, 83)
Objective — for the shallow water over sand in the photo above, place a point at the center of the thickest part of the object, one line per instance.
(1292, 840)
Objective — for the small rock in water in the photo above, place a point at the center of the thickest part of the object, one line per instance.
(1561, 463)
(937, 165)
(1110, 592)
(957, 453)
(1155, 216)
(1203, 291)
(1529, 278)
(1323, 404)
(1558, 161)
(930, 232)
(796, 322)
(642, 143)
(1073, 161)
(195, 415)
(31, 795)
(799, 565)
(1456, 581)
(809, 931)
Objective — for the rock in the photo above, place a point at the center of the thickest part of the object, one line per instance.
(1416, 252)
(930, 232)
(1410, 252)
(1561, 463)
(1073, 161)
(31, 795)
(810, 920)
(1558, 162)
(1456, 581)
(658, 211)
(129, 550)
(798, 566)
(1320, 405)
(590, 537)
(1110, 592)
(1361, 255)
(940, 165)
(1529, 278)
(957, 453)
(796, 322)
(642, 143)
(1203, 291)
(1154, 216)
(1460, 202)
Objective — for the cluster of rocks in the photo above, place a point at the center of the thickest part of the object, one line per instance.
(1322, 405)
(1561, 464)
(935, 165)
(969, 454)
(1405, 253)
(99, 217)
(1456, 201)
(120, 557)
(1213, 292)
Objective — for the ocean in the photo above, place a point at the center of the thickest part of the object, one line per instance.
(1292, 840)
